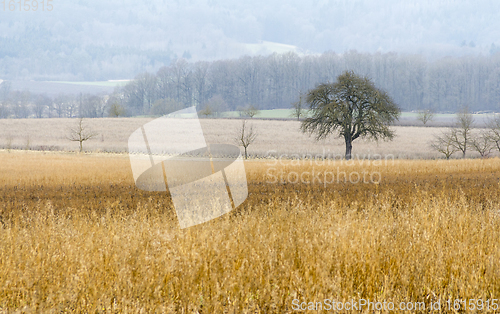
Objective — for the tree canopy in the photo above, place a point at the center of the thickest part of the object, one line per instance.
(351, 108)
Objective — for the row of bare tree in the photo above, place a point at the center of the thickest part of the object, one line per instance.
(21, 105)
(463, 137)
(24, 104)
(277, 80)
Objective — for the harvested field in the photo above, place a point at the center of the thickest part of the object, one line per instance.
(275, 137)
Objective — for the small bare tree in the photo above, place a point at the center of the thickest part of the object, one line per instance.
(28, 143)
(444, 144)
(61, 104)
(116, 110)
(298, 108)
(462, 132)
(41, 104)
(245, 137)
(251, 111)
(425, 115)
(482, 144)
(80, 133)
(9, 142)
(206, 111)
(217, 106)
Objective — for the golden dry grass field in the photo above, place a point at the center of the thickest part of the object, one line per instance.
(77, 236)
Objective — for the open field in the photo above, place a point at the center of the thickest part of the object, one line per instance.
(406, 118)
(77, 236)
(274, 138)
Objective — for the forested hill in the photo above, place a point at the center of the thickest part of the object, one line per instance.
(116, 39)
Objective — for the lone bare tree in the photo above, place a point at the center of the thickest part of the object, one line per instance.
(80, 133)
(462, 132)
(298, 108)
(352, 107)
(425, 115)
(245, 136)
(444, 144)
(217, 105)
(206, 111)
(251, 111)
(115, 109)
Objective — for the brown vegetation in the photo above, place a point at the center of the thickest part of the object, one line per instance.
(77, 236)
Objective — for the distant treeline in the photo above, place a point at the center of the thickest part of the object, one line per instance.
(24, 104)
(276, 81)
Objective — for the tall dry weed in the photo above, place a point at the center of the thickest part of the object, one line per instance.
(77, 236)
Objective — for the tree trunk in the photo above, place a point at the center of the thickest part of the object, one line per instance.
(348, 148)
(466, 144)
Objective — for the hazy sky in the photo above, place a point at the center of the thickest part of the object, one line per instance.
(214, 29)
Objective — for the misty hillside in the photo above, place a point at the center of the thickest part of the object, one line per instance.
(100, 40)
